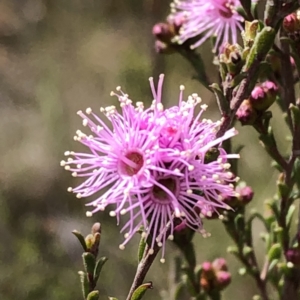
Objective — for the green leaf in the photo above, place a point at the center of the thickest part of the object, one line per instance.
(84, 284)
(295, 114)
(141, 290)
(272, 265)
(274, 252)
(221, 100)
(100, 263)
(246, 4)
(141, 248)
(112, 298)
(94, 295)
(237, 80)
(289, 216)
(239, 222)
(262, 44)
(80, 239)
(89, 262)
(178, 295)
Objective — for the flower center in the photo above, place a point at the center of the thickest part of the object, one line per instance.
(131, 163)
(166, 186)
(226, 10)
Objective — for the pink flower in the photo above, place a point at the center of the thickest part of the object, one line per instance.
(153, 162)
(204, 19)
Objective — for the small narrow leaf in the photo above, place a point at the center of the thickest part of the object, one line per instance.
(289, 215)
(272, 265)
(112, 298)
(89, 262)
(178, 295)
(274, 252)
(80, 239)
(100, 263)
(141, 248)
(221, 100)
(239, 222)
(94, 295)
(141, 290)
(84, 284)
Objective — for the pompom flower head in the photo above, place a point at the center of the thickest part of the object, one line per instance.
(204, 19)
(155, 165)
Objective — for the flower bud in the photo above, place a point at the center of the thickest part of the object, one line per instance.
(291, 23)
(96, 228)
(293, 255)
(163, 48)
(214, 276)
(165, 32)
(245, 194)
(182, 234)
(220, 264)
(222, 280)
(263, 95)
(246, 114)
(207, 276)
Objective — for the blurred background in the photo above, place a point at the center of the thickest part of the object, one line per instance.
(59, 56)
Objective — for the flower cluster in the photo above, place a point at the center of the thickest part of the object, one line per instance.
(152, 164)
(204, 19)
(262, 97)
(215, 275)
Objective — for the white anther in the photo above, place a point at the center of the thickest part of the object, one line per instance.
(88, 213)
(191, 168)
(112, 213)
(215, 177)
(160, 107)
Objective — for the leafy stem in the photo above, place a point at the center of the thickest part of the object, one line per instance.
(143, 268)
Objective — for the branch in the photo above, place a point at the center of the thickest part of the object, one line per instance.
(142, 269)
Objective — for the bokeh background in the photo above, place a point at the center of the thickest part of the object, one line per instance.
(59, 56)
